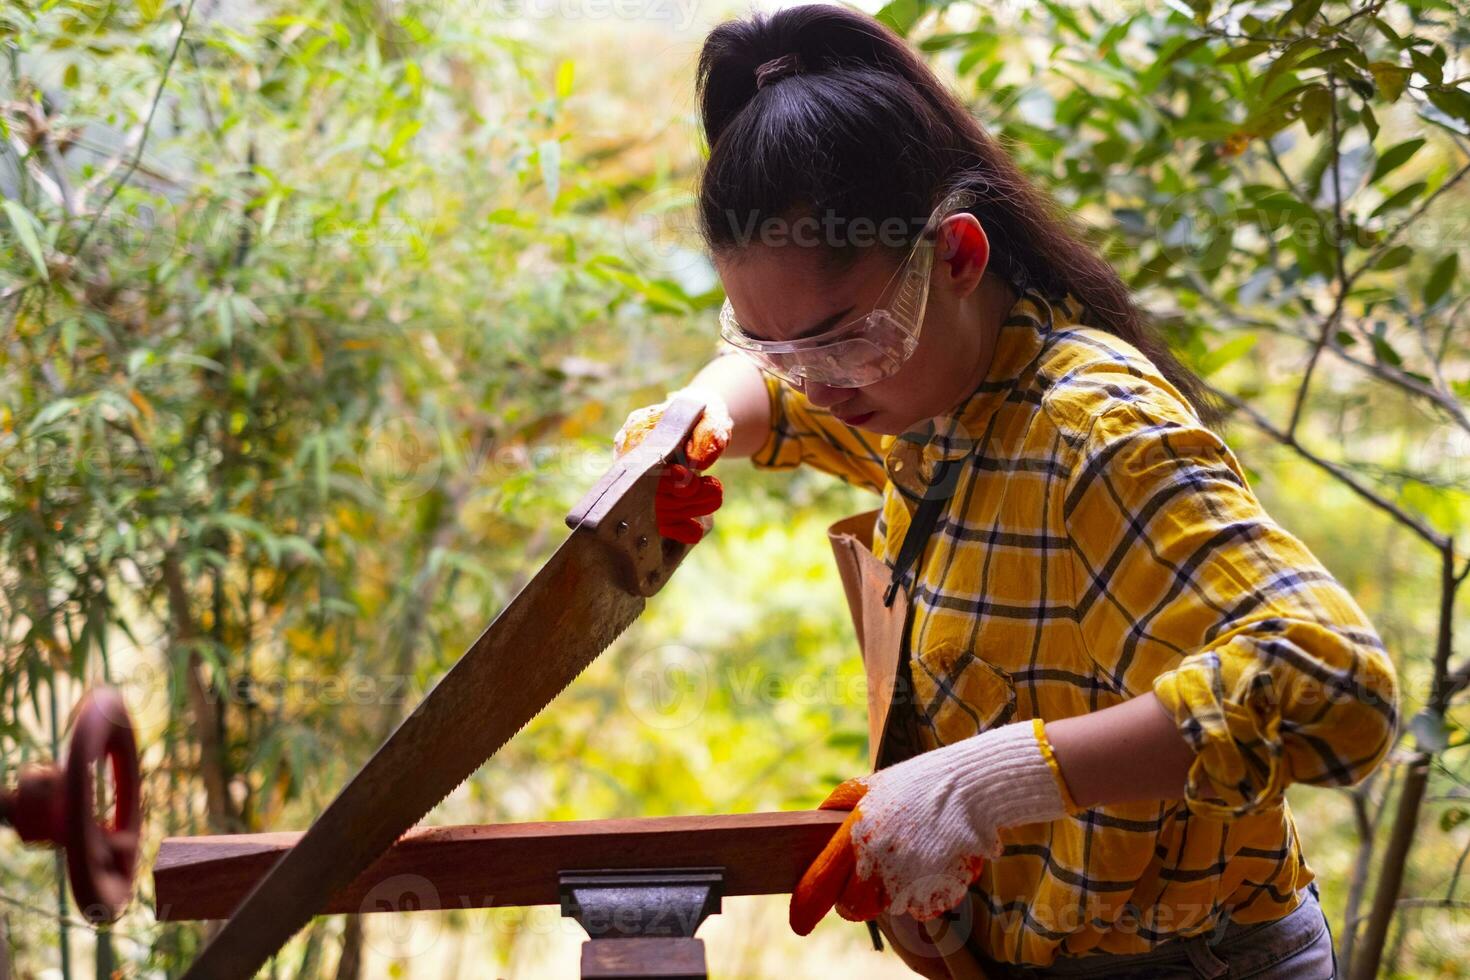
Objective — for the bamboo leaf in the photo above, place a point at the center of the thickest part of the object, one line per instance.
(26, 229)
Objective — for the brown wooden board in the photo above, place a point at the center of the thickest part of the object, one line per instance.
(502, 864)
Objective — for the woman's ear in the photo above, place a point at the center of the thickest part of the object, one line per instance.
(964, 245)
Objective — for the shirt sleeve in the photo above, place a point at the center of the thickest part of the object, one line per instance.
(802, 433)
(1186, 587)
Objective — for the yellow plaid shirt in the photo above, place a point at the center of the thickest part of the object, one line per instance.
(1102, 543)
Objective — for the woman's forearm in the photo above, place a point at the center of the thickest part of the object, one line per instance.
(1131, 751)
(741, 384)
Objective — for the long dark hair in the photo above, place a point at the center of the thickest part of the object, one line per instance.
(854, 124)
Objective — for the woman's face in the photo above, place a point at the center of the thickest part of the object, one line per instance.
(782, 291)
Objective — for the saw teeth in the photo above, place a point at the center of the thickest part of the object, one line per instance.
(289, 896)
(599, 652)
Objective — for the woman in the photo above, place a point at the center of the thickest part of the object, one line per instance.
(1117, 661)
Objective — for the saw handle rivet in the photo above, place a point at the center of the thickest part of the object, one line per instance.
(642, 541)
(621, 529)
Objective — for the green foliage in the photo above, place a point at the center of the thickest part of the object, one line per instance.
(290, 406)
(303, 367)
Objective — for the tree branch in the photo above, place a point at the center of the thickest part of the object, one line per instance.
(1398, 229)
(1343, 285)
(1424, 531)
(1444, 400)
(147, 127)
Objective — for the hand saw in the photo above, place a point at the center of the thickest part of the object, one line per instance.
(591, 588)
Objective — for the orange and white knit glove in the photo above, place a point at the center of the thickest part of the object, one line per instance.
(920, 830)
(684, 495)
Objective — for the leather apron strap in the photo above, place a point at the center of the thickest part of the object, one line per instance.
(935, 950)
(902, 737)
(926, 516)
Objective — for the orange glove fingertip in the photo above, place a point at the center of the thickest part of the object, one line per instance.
(685, 530)
(823, 881)
(846, 795)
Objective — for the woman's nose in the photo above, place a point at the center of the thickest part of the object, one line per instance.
(825, 396)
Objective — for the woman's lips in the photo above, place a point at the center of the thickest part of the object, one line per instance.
(858, 419)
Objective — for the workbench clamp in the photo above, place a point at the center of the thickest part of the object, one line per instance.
(642, 920)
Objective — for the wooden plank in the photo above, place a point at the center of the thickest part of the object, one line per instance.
(502, 864)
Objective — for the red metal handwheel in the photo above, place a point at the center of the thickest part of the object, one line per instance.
(57, 806)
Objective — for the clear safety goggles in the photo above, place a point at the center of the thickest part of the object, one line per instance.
(868, 348)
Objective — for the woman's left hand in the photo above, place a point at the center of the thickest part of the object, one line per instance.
(684, 495)
(920, 830)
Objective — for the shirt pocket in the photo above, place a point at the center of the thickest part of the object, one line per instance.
(959, 694)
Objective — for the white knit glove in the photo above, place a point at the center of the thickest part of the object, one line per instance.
(708, 440)
(920, 830)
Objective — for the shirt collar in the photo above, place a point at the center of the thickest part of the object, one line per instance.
(911, 456)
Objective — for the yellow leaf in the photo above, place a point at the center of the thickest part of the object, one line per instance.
(1391, 78)
(136, 397)
(586, 416)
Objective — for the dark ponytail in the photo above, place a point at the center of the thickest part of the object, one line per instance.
(845, 119)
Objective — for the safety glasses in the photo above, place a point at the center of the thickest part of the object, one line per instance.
(868, 348)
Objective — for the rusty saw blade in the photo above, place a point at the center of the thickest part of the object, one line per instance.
(587, 593)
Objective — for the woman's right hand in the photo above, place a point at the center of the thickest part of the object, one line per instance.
(684, 495)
